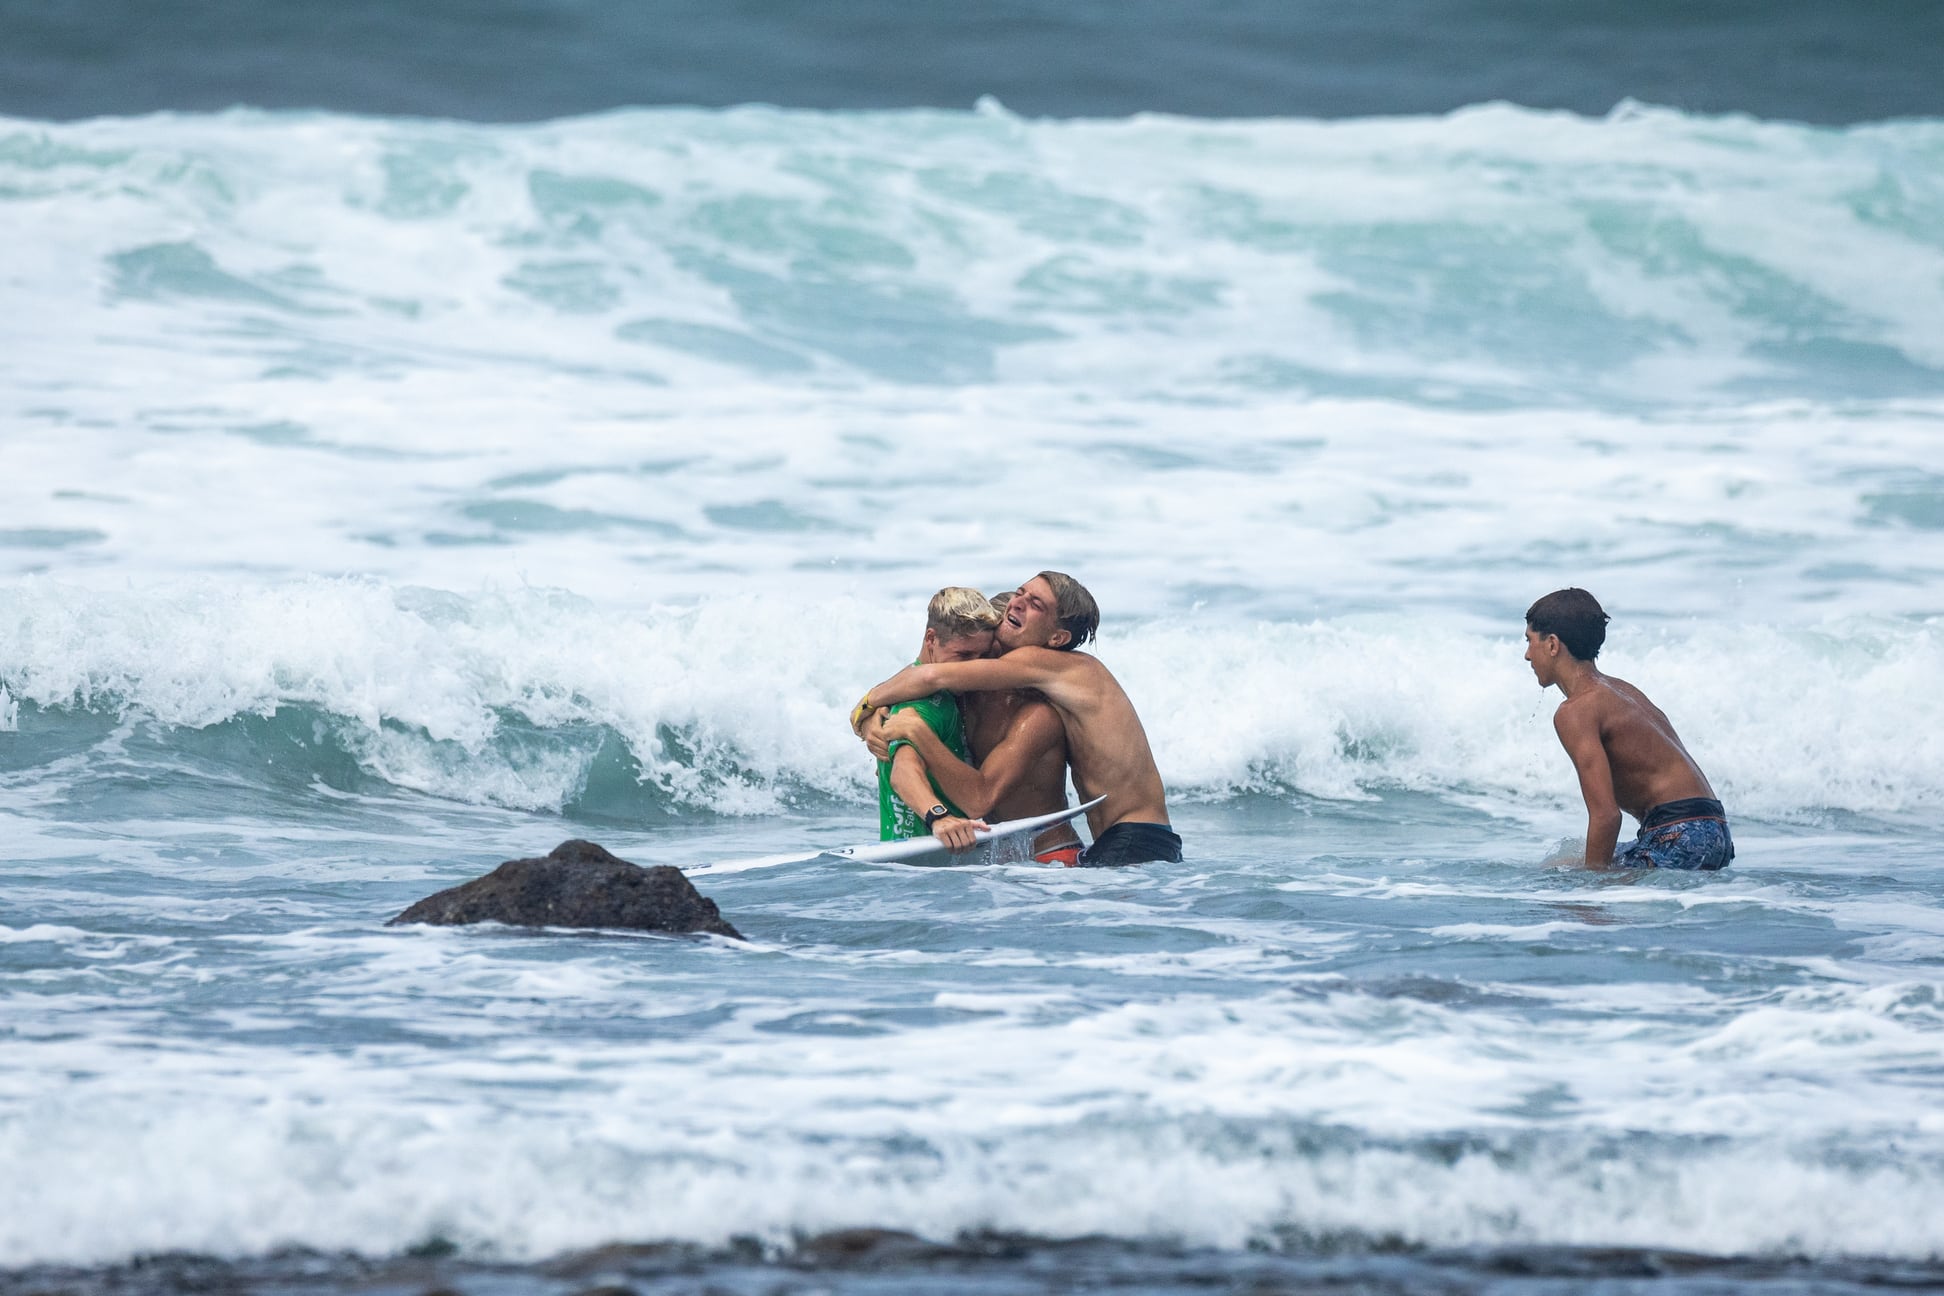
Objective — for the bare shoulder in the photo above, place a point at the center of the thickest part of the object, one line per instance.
(1582, 714)
(1628, 693)
(1073, 682)
(1056, 664)
(1037, 656)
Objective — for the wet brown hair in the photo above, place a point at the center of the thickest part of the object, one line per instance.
(1078, 613)
(1575, 616)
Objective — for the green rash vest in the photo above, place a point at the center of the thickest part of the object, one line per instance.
(896, 820)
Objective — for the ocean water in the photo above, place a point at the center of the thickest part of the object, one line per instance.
(526, 60)
(382, 498)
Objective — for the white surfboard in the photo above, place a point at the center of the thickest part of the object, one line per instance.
(1007, 842)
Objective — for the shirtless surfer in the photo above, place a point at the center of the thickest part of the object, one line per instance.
(1048, 618)
(1019, 758)
(1627, 754)
(959, 625)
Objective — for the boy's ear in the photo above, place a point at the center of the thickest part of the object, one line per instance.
(1059, 639)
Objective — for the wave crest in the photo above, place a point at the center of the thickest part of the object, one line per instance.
(541, 700)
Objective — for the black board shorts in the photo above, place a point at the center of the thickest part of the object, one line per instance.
(1132, 843)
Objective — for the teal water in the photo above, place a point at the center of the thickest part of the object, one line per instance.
(522, 60)
(388, 498)
(1376, 1022)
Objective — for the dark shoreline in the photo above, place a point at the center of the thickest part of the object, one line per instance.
(885, 1261)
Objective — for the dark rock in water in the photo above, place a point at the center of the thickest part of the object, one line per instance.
(578, 885)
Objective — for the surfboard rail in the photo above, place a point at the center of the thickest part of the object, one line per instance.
(910, 849)
(894, 852)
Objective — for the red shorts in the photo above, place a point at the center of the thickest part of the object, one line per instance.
(1067, 855)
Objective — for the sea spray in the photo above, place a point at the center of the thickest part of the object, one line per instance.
(1494, 254)
(515, 697)
(1345, 1117)
(387, 498)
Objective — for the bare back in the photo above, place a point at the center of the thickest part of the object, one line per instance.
(990, 718)
(1107, 746)
(1650, 766)
(993, 718)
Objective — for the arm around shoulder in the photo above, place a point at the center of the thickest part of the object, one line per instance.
(908, 685)
(1035, 668)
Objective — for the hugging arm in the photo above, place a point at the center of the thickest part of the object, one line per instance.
(1036, 668)
(1036, 730)
(912, 782)
(959, 781)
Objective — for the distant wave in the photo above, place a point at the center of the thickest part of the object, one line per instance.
(1493, 256)
(528, 59)
(540, 700)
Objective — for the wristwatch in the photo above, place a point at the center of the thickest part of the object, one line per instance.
(934, 814)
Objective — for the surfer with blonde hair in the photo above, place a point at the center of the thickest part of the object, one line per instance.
(1047, 620)
(1018, 768)
(959, 627)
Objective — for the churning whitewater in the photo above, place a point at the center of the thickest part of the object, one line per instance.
(385, 498)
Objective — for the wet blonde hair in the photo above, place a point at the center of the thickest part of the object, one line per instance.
(957, 612)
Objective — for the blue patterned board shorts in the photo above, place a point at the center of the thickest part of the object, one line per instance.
(1687, 834)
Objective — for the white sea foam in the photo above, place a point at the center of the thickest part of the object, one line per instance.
(1285, 367)
(40, 932)
(507, 464)
(1213, 1122)
(421, 689)
(526, 1189)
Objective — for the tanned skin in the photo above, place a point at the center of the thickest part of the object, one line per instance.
(1626, 753)
(1106, 744)
(910, 772)
(1020, 746)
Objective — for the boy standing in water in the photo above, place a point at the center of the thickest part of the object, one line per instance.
(958, 627)
(1627, 754)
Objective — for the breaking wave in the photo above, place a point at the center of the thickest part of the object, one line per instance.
(541, 700)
